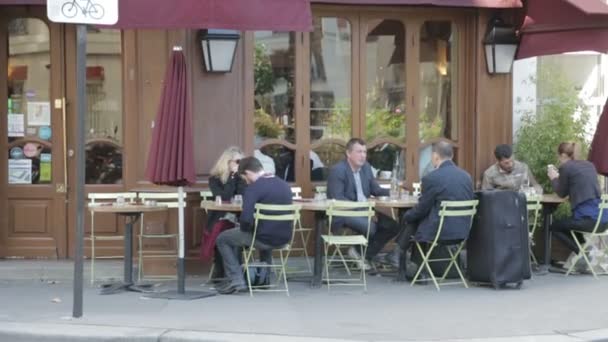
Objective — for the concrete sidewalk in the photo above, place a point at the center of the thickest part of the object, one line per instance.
(547, 308)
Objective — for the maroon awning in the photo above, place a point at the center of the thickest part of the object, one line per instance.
(278, 15)
(598, 154)
(244, 15)
(558, 26)
(444, 3)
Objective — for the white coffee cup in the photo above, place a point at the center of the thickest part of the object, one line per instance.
(385, 174)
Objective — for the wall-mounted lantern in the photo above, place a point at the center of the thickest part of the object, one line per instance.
(500, 45)
(219, 49)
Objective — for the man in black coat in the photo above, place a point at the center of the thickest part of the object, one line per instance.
(447, 182)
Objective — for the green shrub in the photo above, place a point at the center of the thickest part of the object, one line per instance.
(561, 116)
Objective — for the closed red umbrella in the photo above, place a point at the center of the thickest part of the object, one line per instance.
(171, 156)
(599, 146)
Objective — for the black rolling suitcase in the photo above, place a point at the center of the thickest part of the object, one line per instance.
(497, 248)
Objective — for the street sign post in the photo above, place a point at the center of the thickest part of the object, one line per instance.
(81, 12)
(94, 12)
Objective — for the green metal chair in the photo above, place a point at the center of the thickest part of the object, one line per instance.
(448, 209)
(534, 211)
(588, 241)
(271, 212)
(302, 235)
(347, 209)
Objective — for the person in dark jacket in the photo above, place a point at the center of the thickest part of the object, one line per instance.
(262, 188)
(225, 182)
(576, 179)
(447, 182)
(352, 180)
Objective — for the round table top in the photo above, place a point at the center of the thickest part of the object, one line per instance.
(126, 209)
(310, 205)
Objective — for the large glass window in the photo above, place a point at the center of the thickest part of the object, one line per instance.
(274, 117)
(438, 116)
(385, 79)
(104, 120)
(29, 105)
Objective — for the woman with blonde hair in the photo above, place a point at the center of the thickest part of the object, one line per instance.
(576, 179)
(225, 182)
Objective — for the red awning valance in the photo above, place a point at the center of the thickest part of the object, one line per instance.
(569, 25)
(245, 15)
(444, 3)
(278, 15)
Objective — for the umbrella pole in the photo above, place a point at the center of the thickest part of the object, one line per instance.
(181, 271)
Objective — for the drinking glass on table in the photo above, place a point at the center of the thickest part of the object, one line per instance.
(238, 199)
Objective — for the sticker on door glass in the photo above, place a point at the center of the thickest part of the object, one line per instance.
(45, 167)
(38, 114)
(16, 125)
(19, 171)
(44, 133)
(32, 150)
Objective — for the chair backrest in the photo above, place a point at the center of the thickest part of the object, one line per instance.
(533, 206)
(169, 199)
(206, 195)
(321, 189)
(350, 209)
(296, 191)
(602, 206)
(456, 209)
(276, 212)
(95, 197)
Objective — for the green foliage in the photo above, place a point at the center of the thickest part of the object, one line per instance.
(380, 122)
(561, 116)
(265, 126)
(430, 127)
(262, 71)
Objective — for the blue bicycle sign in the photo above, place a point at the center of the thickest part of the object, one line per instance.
(88, 9)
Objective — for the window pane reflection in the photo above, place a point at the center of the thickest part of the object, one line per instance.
(105, 107)
(330, 79)
(323, 158)
(278, 158)
(385, 75)
(382, 158)
(274, 80)
(29, 108)
(437, 61)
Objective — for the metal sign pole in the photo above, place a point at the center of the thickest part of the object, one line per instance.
(79, 200)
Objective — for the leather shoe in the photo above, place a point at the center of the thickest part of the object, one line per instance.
(233, 288)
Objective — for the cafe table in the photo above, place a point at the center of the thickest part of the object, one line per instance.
(319, 208)
(131, 213)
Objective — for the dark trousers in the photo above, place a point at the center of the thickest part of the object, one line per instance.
(229, 243)
(561, 230)
(380, 232)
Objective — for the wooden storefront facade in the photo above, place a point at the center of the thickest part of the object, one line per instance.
(400, 77)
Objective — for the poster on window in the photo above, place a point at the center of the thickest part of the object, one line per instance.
(16, 125)
(19, 171)
(45, 167)
(38, 114)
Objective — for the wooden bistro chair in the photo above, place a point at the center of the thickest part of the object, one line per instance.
(171, 201)
(448, 209)
(99, 198)
(346, 209)
(534, 211)
(271, 212)
(589, 239)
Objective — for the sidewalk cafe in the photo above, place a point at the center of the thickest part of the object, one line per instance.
(290, 89)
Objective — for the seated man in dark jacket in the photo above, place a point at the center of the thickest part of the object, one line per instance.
(352, 180)
(447, 182)
(263, 188)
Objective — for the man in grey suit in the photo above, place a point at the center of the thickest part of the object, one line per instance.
(352, 180)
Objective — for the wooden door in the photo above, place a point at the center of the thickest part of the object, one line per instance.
(32, 170)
